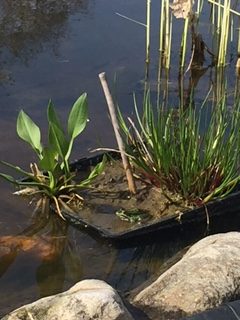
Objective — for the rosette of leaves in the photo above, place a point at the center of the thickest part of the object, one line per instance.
(50, 180)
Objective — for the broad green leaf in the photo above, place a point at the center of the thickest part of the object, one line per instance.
(58, 140)
(48, 161)
(52, 116)
(29, 131)
(77, 119)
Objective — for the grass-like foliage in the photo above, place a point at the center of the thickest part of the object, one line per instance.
(50, 179)
(194, 153)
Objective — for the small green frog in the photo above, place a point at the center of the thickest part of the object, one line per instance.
(132, 215)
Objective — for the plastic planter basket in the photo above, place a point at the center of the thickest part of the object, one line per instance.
(104, 223)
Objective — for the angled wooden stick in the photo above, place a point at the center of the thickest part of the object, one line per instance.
(112, 111)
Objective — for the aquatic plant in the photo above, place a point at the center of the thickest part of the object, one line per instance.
(165, 34)
(222, 17)
(148, 30)
(50, 180)
(193, 153)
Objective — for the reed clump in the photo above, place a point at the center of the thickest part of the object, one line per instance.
(190, 152)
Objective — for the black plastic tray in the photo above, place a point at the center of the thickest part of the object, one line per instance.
(227, 206)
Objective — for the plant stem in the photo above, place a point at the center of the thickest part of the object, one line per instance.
(166, 49)
(238, 47)
(112, 111)
(213, 14)
(161, 50)
(222, 6)
(148, 31)
(184, 42)
(224, 34)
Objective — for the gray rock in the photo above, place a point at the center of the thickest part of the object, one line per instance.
(88, 299)
(207, 276)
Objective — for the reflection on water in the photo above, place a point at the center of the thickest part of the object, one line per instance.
(45, 250)
(26, 26)
(49, 256)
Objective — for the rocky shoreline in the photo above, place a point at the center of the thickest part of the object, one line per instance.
(206, 277)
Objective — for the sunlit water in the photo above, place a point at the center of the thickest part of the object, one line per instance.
(56, 49)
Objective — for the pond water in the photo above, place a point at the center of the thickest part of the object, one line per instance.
(56, 49)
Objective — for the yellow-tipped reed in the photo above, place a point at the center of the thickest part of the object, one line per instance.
(224, 34)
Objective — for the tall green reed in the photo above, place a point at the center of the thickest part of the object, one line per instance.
(165, 34)
(148, 31)
(224, 34)
(184, 43)
(165, 41)
(176, 150)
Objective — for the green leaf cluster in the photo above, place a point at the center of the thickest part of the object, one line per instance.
(51, 175)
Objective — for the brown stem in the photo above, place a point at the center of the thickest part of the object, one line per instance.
(112, 111)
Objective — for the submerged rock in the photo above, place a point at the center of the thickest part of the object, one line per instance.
(88, 299)
(207, 276)
(43, 247)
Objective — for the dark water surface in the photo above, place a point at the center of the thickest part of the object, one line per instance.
(55, 49)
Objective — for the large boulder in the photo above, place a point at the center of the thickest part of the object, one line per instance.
(207, 276)
(88, 299)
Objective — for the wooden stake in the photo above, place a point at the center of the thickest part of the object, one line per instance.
(112, 111)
